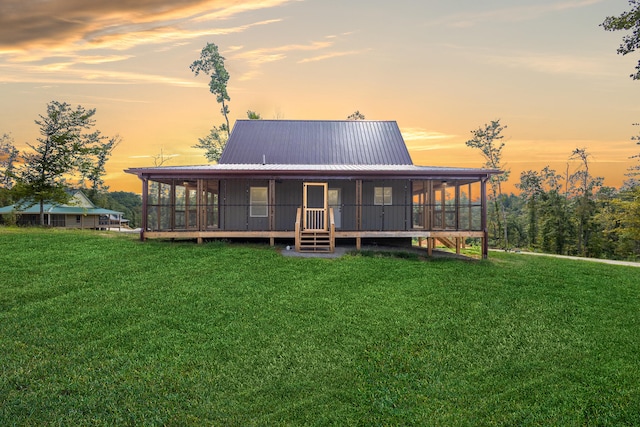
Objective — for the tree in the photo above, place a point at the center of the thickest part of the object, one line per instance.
(8, 158)
(252, 115)
(629, 217)
(488, 140)
(161, 158)
(530, 187)
(66, 150)
(584, 185)
(211, 63)
(357, 115)
(91, 166)
(627, 21)
(213, 144)
(634, 170)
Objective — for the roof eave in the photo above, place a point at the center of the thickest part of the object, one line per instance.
(314, 173)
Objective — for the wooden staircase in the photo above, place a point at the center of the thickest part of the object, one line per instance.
(315, 240)
(447, 242)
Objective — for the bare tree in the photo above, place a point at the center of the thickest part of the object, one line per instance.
(488, 139)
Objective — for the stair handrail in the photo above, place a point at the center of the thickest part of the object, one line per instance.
(332, 231)
(298, 228)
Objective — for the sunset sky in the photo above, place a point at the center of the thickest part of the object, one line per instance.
(439, 68)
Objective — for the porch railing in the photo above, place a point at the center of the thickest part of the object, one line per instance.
(315, 219)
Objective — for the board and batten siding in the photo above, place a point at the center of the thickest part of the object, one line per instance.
(396, 216)
(288, 200)
(235, 210)
(234, 206)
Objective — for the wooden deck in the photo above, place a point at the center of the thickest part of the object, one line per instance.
(429, 236)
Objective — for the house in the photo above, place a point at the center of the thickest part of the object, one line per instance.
(315, 183)
(80, 212)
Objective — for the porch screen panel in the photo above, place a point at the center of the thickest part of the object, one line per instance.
(385, 217)
(159, 208)
(419, 200)
(437, 206)
(210, 200)
(191, 196)
(348, 203)
(450, 206)
(152, 203)
(237, 206)
(57, 220)
(464, 210)
(288, 200)
(180, 207)
(166, 208)
(475, 206)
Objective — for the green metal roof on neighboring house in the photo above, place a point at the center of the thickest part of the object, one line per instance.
(85, 208)
(58, 210)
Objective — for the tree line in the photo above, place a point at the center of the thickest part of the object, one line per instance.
(570, 212)
(567, 212)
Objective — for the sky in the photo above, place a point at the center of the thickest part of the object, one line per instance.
(441, 69)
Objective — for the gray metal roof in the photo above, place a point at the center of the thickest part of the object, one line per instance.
(301, 171)
(316, 142)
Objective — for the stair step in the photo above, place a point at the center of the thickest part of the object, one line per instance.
(315, 241)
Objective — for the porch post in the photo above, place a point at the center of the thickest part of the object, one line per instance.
(358, 212)
(201, 203)
(145, 192)
(271, 195)
(172, 206)
(485, 232)
(457, 205)
(199, 219)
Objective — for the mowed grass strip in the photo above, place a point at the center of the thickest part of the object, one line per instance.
(101, 329)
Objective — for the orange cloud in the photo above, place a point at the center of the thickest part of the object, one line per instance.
(60, 23)
(332, 55)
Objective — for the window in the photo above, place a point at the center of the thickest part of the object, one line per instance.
(382, 196)
(258, 201)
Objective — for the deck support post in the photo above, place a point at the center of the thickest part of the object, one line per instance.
(145, 194)
(485, 239)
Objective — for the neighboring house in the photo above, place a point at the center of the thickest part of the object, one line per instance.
(315, 182)
(80, 212)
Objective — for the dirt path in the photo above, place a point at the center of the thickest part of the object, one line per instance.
(603, 261)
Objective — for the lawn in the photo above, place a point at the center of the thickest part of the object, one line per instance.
(101, 329)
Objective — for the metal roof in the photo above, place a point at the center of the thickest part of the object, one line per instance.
(57, 210)
(80, 204)
(297, 170)
(316, 142)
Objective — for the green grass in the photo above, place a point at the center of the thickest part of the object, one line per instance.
(100, 329)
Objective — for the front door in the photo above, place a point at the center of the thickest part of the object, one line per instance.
(314, 206)
(335, 202)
